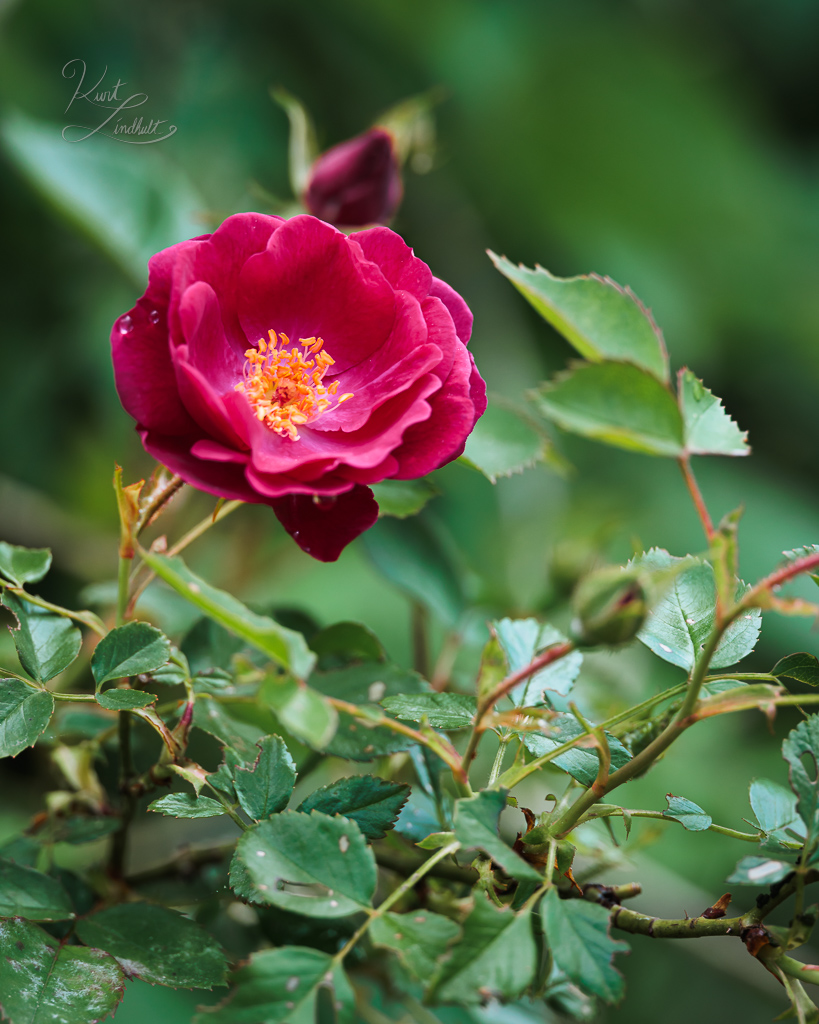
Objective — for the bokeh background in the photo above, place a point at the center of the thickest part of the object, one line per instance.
(671, 144)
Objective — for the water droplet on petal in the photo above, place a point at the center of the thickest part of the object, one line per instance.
(153, 316)
(126, 324)
(296, 534)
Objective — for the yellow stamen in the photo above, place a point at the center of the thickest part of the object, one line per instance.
(284, 387)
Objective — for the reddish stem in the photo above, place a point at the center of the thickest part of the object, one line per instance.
(696, 496)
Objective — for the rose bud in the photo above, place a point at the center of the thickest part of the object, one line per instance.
(283, 362)
(610, 607)
(357, 182)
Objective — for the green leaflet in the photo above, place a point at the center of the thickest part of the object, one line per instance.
(578, 935)
(505, 441)
(129, 650)
(282, 985)
(616, 403)
(301, 709)
(440, 710)
(580, 763)
(495, 956)
(23, 565)
(800, 748)
(419, 938)
(185, 805)
(680, 623)
(43, 980)
(32, 895)
(46, 643)
(775, 810)
(708, 428)
(265, 787)
(125, 700)
(599, 317)
(476, 825)
(759, 871)
(283, 645)
(372, 803)
(691, 816)
(157, 945)
(402, 498)
(311, 864)
(25, 711)
(802, 667)
(520, 640)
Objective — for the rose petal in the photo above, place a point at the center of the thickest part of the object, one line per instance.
(325, 527)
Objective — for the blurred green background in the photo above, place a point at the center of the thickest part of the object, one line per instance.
(669, 144)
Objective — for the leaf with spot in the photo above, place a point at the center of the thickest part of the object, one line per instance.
(32, 895)
(578, 936)
(595, 314)
(25, 711)
(46, 643)
(419, 938)
(23, 565)
(282, 645)
(283, 984)
(372, 803)
(129, 650)
(42, 980)
(265, 787)
(690, 815)
(366, 684)
(759, 871)
(476, 825)
(185, 805)
(312, 864)
(495, 957)
(301, 709)
(440, 710)
(522, 639)
(679, 624)
(800, 748)
(709, 430)
(615, 403)
(156, 944)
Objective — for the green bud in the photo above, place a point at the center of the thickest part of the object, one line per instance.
(610, 607)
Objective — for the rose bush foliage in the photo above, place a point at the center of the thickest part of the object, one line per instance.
(283, 362)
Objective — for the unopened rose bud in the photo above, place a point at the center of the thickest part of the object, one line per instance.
(610, 607)
(357, 182)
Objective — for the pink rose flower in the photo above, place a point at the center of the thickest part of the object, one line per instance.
(357, 182)
(283, 362)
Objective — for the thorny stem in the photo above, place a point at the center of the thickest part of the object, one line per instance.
(438, 744)
(395, 896)
(183, 542)
(612, 810)
(777, 578)
(162, 498)
(547, 657)
(696, 496)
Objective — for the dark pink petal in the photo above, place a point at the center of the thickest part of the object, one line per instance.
(311, 281)
(461, 313)
(270, 486)
(143, 371)
(441, 437)
(203, 403)
(209, 350)
(397, 261)
(325, 527)
(222, 479)
(477, 390)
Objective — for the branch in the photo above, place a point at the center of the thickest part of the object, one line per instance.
(696, 496)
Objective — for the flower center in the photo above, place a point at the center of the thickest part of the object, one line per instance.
(284, 386)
